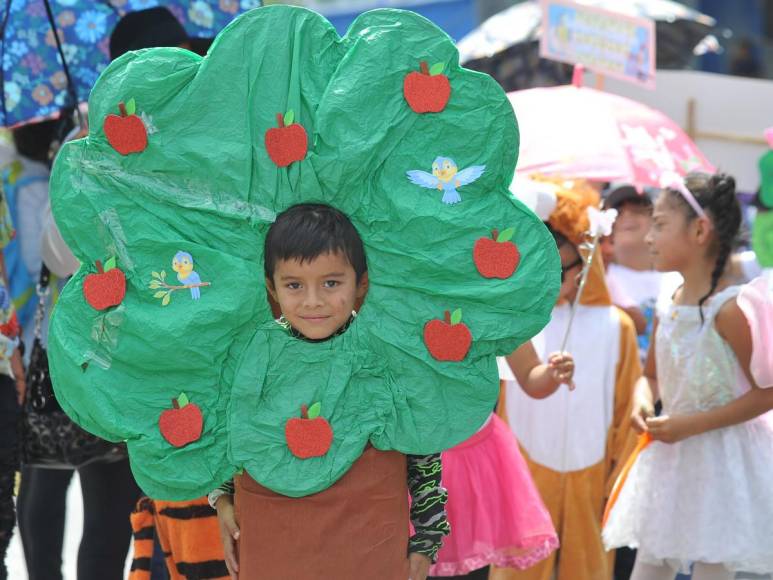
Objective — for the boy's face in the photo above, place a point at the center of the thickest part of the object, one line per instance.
(317, 297)
(630, 230)
(607, 244)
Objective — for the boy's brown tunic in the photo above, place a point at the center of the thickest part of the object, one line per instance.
(355, 529)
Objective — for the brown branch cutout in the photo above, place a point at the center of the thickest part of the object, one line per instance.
(185, 286)
(165, 292)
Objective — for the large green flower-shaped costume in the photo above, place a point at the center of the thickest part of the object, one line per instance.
(202, 187)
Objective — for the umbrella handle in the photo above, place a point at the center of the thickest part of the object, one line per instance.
(70, 86)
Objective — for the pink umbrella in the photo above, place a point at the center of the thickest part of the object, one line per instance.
(581, 132)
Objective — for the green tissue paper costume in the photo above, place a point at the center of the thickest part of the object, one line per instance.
(762, 234)
(180, 189)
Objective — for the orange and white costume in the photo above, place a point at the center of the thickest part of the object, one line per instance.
(576, 441)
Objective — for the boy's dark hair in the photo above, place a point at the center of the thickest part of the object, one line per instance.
(147, 28)
(716, 195)
(637, 204)
(308, 230)
(622, 195)
(34, 141)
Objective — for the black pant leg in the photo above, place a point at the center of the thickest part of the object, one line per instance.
(9, 456)
(42, 506)
(109, 496)
(624, 560)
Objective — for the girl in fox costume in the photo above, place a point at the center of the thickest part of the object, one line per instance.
(575, 441)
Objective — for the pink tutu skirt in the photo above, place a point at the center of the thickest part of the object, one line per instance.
(495, 511)
(756, 302)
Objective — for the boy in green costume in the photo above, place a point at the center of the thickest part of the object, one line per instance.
(188, 162)
(316, 272)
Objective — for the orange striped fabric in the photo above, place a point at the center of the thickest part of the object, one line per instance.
(189, 537)
(143, 530)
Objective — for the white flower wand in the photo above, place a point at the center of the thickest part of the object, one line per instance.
(601, 223)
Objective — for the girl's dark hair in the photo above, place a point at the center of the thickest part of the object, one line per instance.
(308, 230)
(716, 195)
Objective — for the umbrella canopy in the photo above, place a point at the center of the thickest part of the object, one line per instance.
(34, 84)
(582, 132)
(507, 44)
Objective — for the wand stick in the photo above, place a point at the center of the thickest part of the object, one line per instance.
(588, 262)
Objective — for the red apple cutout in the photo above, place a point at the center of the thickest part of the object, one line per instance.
(106, 288)
(287, 143)
(310, 435)
(182, 424)
(126, 133)
(427, 91)
(449, 339)
(496, 257)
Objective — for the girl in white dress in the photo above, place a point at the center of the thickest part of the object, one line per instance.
(701, 492)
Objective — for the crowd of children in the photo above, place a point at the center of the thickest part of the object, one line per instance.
(635, 418)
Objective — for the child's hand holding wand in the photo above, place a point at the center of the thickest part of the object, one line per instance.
(561, 368)
(538, 379)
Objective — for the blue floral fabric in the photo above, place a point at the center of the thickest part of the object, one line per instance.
(34, 84)
(9, 324)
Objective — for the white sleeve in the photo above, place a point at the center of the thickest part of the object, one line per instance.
(56, 255)
(617, 294)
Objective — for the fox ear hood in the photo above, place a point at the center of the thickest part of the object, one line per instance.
(564, 203)
(596, 292)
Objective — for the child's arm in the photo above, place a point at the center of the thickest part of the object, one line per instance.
(733, 327)
(540, 380)
(428, 512)
(17, 366)
(646, 391)
(222, 500)
(637, 316)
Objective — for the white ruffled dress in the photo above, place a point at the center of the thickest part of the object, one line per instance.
(708, 498)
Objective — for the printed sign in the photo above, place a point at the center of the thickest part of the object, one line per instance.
(605, 42)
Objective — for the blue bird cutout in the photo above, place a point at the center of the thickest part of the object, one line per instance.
(446, 177)
(183, 265)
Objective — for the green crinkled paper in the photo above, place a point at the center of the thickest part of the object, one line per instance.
(206, 186)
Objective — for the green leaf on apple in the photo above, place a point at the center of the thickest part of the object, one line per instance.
(163, 274)
(159, 294)
(289, 117)
(436, 69)
(315, 410)
(156, 275)
(456, 317)
(110, 264)
(506, 235)
(166, 299)
(182, 400)
(131, 106)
